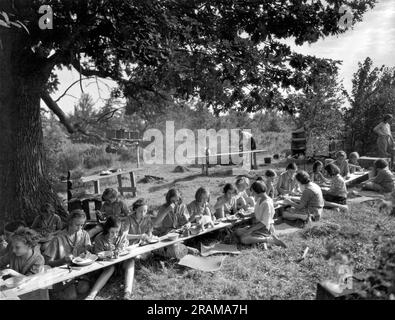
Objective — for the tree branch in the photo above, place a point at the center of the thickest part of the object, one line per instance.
(64, 93)
(53, 106)
(88, 72)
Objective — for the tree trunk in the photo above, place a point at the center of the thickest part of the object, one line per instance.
(24, 184)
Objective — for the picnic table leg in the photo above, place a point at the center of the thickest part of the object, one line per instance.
(120, 189)
(133, 183)
(96, 185)
(138, 156)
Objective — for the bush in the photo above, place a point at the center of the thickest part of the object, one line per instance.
(127, 155)
(96, 156)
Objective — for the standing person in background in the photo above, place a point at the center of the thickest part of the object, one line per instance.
(385, 141)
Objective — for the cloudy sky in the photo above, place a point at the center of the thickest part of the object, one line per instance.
(374, 37)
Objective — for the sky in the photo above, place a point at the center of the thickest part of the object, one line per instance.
(374, 37)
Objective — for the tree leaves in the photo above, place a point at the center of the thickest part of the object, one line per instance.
(189, 48)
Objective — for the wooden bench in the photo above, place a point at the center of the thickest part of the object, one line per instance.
(96, 181)
(205, 160)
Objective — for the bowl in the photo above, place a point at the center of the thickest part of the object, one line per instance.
(13, 282)
(172, 236)
(102, 255)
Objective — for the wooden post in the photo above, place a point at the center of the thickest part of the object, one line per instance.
(133, 183)
(138, 155)
(96, 185)
(207, 161)
(120, 184)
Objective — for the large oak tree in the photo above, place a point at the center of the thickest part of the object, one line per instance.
(227, 52)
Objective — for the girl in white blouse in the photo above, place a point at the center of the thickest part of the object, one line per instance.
(262, 229)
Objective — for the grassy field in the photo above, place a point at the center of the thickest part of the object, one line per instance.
(256, 273)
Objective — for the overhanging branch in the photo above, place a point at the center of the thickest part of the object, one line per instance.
(53, 106)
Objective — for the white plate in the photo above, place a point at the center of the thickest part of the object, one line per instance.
(85, 261)
(124, 253)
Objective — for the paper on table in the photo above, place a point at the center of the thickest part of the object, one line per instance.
(207, 264)
(218, 248)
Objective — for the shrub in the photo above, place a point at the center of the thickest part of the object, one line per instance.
(96, 156)
(127, 154)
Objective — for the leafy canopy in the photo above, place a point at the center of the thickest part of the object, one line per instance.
(229, 53)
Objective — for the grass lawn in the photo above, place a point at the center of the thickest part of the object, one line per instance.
(255, 273)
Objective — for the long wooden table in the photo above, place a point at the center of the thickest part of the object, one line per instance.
(62, 273)
(357, 178)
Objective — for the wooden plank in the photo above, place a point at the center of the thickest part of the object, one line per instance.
(133, 184)
(60, 274)
(120, 189)
(138, 156)
(96, 186)
(128, 189)
(357, 178)
(99, 177)
(228, 154)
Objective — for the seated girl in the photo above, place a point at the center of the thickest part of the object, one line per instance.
(286, 182)
(9, 229)
(317, 176)
(353, 162)
(244, 201)
(112, 207)
(109, 240)
(47, 223)
(24, 260)
(311, 203)
(337, 192)
(383, 181)
(172, 215)
(67, 244)
(262, 229)
(139, 225)
(270, 176)
(342, 163)
(200, 206)
(227, 203)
